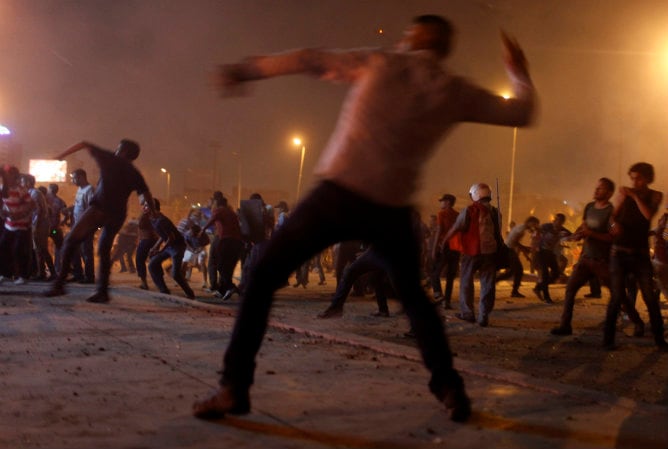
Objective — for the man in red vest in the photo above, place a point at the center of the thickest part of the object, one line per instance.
(480, 235)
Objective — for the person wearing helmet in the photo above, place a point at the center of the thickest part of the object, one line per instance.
(108, 210)
(479, 226)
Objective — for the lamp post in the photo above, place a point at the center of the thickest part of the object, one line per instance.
(512, 176)
(169, 182)
(506, 96)
(297, 141)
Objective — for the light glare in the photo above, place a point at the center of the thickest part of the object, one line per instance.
(48, 170)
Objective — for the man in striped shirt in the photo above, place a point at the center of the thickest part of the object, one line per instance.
(17, 210)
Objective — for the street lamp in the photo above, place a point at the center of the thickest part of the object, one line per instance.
(169, 182)
(4, 131)
(512, 169)
(297, 141)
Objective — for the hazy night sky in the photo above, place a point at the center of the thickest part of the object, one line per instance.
(101, 70)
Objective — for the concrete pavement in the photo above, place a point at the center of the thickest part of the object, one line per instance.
(124, 375)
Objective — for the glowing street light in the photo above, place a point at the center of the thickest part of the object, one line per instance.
(169, 182)
(298, 142)
(4, 131)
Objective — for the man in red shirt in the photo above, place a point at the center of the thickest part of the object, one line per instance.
(445, 254)
(226, 249)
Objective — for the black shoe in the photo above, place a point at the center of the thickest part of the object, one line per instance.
(331, 312)
(516, 294)
(458, 404)
(297, 284)
(548, 300)
(484, 322)
(562, 330)
(447, 305)
(609, 344)
(469, 318)
(322, 283)
(221, 402)
(593, 295)
(228, 294)
(381, 313)
(538, 293)
(55, 290)
(99, 298)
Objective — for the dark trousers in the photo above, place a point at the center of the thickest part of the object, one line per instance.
(16, 250)
(368, 263)
(213, 262)
(229, 253)
(329, 214)
(621, 265)
(346, 254)
(56, 234)
(485, 266)
(158, 274)
(583, 271)
(253, 252)
(301, 275)
(141, 256)
(92, 219)
(124, 251)
(448, 260)
(595, 286)
(43, 259)
(83, 251)
(515, 270)
(549, 271)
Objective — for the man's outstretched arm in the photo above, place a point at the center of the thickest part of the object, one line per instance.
(518, 110)
(326, 64)
(74, 148)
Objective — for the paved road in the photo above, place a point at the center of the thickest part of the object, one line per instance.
(124, 375)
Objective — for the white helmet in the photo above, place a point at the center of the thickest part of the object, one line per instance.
(480, 191)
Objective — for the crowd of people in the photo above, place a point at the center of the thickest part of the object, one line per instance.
(402, 101)
(615, 253)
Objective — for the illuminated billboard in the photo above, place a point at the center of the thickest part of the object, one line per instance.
(48, 170)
